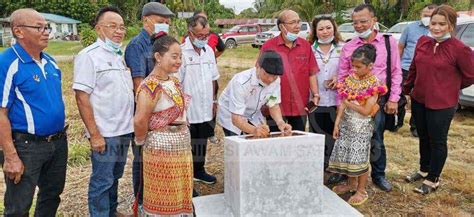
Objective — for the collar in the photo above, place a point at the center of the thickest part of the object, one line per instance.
(254, 80)
(318, 49)
(188, 45)
(146, 37)
(102, 45)
(281, 41)
(23, 55)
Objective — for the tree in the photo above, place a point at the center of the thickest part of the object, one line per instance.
(248, 13)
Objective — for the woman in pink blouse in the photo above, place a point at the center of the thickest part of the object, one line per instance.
(442, 65)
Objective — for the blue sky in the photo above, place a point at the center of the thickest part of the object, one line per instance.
(237, 5)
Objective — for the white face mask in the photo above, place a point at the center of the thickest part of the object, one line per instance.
(440, 39)
(425, 21)
(161, 27)
(327, 41)
(365, 34)
(290, 36)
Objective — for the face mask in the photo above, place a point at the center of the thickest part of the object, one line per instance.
(161, 27)
(327, 41)
(364, 34)
(113, 46)
(425, 21)
(290, 36)
(442, 38)
(199, 43)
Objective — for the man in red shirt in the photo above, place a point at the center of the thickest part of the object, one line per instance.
(299, 78)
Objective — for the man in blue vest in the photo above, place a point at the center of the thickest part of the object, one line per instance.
(32, 131)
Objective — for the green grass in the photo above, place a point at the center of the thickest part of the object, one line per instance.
(64, 48)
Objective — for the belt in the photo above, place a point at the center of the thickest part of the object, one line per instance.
(18, 136)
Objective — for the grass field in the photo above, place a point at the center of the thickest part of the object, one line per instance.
(454, 198)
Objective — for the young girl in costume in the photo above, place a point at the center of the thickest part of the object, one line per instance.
(354, 124)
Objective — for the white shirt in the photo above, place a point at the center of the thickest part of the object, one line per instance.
(102, 74)
(245, 95)
(196, 76)
(327, 71)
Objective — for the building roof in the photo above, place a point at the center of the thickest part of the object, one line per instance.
(244, 21)
(51, 18)
(59, 19)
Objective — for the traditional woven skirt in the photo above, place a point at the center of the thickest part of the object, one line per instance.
(351, 151)
(168, 172)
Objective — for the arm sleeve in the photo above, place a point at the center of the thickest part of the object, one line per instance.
(135, 58)
(220, 44)
(313, 65)
(396, 70)
(404, 36)
(215, 71)
(7, 84)
(465, 62)
(84, 74)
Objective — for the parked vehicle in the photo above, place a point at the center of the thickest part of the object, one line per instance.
(262, 37)
(397, 29)
(347, 30)
(243, 34)
(465, 32)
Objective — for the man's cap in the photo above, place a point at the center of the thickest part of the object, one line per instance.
(271, 62)
(156, 8)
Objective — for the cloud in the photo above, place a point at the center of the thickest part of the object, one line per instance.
(237, 5)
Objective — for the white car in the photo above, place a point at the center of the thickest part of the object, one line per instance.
(397, 29)
(262, 37)
(465, 33)
(347, 30)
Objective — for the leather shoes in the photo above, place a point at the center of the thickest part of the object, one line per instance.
(383, 184)
(336, 179)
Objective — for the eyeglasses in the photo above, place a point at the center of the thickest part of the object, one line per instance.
(201, 36)
(41, 29)
(115, 27)
(293, 23)
(362, 22)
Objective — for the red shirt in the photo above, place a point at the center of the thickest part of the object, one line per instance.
(435, 79)
(299, 64)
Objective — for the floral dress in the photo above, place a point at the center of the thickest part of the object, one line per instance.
(351, 151)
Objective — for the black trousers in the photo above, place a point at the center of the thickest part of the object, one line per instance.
(401, 113)
(432, 127)
(45, 166)
(322, 121)
(199, 134)
(296, 122)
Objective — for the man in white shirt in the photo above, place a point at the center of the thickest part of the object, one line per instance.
(198, 75)
(104, 95)
(241, 101)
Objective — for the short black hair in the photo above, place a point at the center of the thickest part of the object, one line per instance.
(365, 6)
(365, 53)
(104, 10)
(195, 20)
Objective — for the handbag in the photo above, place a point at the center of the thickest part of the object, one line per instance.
(391, 120)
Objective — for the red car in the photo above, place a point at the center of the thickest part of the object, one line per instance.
(243, 34)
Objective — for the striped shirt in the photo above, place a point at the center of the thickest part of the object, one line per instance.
(31, 91)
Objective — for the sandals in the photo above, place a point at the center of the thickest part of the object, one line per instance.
(427, 187)
(337, 189)
(416, 176)
(363, 197)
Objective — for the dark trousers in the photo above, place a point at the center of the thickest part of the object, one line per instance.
(322, 121)
(378, 155)
(137, 172)
(199, 134)
(228, 132)
(402, 111)
(432, 127)
(296, 122)
(45, 166)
